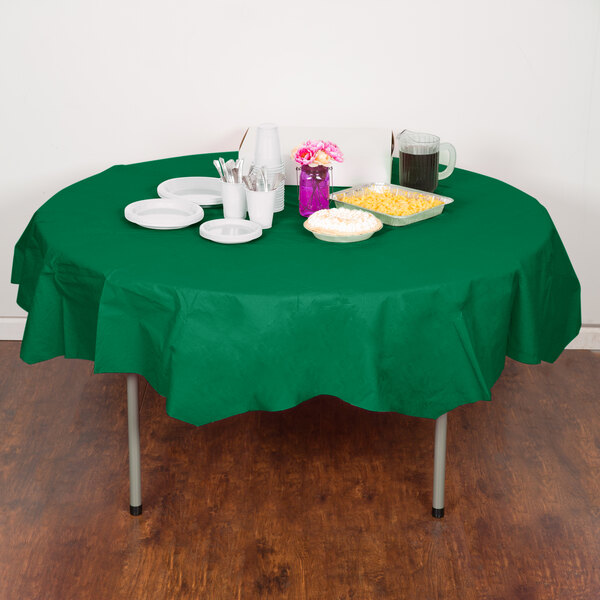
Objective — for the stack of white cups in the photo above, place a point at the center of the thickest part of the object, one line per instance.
(267, 154)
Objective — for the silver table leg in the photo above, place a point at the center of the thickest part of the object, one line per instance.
(439, 466)
(133, 426)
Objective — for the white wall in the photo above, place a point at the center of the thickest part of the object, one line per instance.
(514, 85)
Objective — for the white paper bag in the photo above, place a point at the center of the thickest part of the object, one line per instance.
(367, 152)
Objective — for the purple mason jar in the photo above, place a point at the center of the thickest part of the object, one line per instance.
(313, 186)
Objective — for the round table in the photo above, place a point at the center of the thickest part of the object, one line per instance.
(415, 320)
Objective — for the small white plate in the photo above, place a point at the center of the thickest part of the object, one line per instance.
(159, 213)
(205, 191)
(230, 231)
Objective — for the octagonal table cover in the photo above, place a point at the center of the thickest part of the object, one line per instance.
(415, 320)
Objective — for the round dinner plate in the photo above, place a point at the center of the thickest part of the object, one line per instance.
(159, 213)
(230, 231)
(205, 191)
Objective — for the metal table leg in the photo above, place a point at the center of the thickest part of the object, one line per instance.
(135, 471)
(133, 426)
(439, 466)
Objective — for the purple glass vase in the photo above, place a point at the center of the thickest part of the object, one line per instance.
(313, 186)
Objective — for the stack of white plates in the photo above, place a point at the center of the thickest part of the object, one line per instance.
(271, 172)
(161, 213)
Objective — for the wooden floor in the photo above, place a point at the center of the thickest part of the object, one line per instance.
(321, 502)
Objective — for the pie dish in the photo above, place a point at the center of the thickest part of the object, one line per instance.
(342, 225)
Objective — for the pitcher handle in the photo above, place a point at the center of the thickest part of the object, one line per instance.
(445, 146)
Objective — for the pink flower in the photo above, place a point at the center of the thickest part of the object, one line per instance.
(317, 152)
(304, 155)
(317, 146)
(333, 151)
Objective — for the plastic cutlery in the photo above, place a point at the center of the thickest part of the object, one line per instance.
(278, 180)
(218, 167)
(224, 167)
(263, 174)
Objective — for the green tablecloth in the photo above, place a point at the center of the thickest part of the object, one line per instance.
(415, 320)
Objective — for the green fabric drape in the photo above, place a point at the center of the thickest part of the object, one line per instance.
(416, 320)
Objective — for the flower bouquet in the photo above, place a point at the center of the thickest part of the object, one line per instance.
(314, 173)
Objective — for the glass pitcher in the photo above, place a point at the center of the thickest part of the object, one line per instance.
(419, 160)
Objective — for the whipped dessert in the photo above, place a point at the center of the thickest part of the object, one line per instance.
(342, 221)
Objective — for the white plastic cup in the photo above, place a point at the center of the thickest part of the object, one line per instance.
(234, 200)
(271, 174)
(260, 207)
(267, 151)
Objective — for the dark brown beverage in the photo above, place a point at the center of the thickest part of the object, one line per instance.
(419, 171)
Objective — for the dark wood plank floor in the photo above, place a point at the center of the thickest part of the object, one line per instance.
(322, 502)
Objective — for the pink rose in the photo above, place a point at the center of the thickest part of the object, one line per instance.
(304, 155)
(334, 151)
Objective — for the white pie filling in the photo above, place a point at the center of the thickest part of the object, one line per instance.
(342, 221)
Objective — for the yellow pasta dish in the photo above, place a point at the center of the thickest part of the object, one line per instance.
(390, 202)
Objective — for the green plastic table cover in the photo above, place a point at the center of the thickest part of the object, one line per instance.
(415, 320)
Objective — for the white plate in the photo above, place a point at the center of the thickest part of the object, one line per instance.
(159, 213)
(205, 191)
(230, 231)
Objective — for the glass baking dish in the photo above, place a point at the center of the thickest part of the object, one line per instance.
(387, 219)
